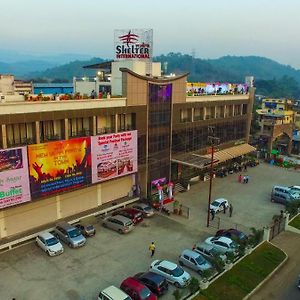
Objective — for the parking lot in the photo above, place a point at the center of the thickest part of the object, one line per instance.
(108, 258)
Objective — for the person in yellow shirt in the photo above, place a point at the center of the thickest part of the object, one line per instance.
(152, 248)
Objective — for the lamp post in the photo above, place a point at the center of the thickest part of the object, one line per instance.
(212, 140)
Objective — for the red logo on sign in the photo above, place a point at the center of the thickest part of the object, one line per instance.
(129, 38)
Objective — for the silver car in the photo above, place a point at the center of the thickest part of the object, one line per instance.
(209, 252)
(222, 244)
(145, 209)
(49, 243)
(70, 235)
(194, 260)
(118, 223)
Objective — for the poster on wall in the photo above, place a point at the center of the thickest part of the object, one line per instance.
(59, 166)
(114, 155)
(14, 182)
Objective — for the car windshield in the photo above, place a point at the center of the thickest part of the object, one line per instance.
(177, 272)
(215, 203)
(52, 241)
(74, 233)
(128, 223)
(90, 227)
(200, 260)
(147, 208)
(145, 293)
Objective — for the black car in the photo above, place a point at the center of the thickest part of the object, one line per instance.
(156, 283)
(233, 234)
(86, 230)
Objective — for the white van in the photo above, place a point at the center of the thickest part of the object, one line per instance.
(113, 293)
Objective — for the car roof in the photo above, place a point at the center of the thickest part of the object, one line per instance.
(190, 253)
(168, 264)
(153, 277)
(46, 235)
(131, 210)
(115, 292)
(132, 282)
(121, 218)
(65, 225)
(141, 205)
(204, 246)
(221, 200)
(223, 239)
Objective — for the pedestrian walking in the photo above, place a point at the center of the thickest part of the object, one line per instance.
(152, 248)
(247, 178)
(230, 210)
(245, 167)
(224, 208)
(240, 178)
(212, 212)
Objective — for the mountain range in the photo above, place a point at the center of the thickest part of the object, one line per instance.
(271, 77)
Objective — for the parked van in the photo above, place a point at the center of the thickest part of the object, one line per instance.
(113, 293)
(70, 235)
(283, 194)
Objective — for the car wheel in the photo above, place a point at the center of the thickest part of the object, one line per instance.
(48, 252)
(120, 231)
(177, 285)
(181, 263)
(70, 245)
(199, 272)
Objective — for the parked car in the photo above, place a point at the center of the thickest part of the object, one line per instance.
(136, 290)
(49, 243)
(118, 223)
(70, 235)
(146, 210)
(295, 188)
(233, 234)
(155, 282)
(113, 293)
(283, 194)
(86, 230)
(210, 252)
(222, 244)
(194, 260)
(131, 213)
(172, 272)
(218, 205)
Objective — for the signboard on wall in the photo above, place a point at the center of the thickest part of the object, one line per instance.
(59, 166)
(114, 155)
(14, 183)
(133, 44)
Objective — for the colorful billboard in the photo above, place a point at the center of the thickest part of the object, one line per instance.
(59, 166)
(133, 44)
(14, 183)
(114, 155)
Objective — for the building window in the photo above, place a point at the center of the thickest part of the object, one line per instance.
(20, 134)
(198, 114)
(79, 127)
(186, 115)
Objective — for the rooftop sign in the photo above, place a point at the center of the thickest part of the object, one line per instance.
(133, 44)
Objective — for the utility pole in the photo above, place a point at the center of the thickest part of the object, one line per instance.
(212, 140)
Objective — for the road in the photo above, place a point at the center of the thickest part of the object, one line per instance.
(282, 285)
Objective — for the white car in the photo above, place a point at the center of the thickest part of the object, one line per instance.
(222, 244)
(145, 209)
(49, 243)
(218, 205)
(172, 272)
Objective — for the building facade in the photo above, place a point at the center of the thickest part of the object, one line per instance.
(170, 126)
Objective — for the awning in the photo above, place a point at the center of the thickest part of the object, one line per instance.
(202, 161)
(232, 152)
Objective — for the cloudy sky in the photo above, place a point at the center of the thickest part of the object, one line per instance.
(212, 28)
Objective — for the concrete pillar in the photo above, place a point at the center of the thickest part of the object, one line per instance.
(3, 232)
(116, 123)
(37, 132)
(58, 207)
(204, 113)
(266, 235)
(224, 112)
(66, 129)
(215, 112)
(289, 149)
(241, 110)
(287, 219)
(94, 125)
(193, 113)
(4, 136)
(99, 196)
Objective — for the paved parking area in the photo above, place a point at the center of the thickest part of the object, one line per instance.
(28, 273)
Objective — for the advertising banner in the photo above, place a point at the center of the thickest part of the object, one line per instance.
(59, 166)
(114, 155)
(133, 44)
(14, 183)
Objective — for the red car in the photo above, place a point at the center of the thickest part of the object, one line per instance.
(136, 290)
(131, 213)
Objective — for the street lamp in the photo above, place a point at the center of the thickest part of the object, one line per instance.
(212, 140)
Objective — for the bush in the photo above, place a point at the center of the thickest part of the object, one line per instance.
(255, 237)
(194, 285)
(292, 207)
(219, 264)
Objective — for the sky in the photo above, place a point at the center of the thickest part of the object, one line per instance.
(210, 29)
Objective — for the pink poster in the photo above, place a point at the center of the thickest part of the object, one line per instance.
(14, 181)
(113, 155)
